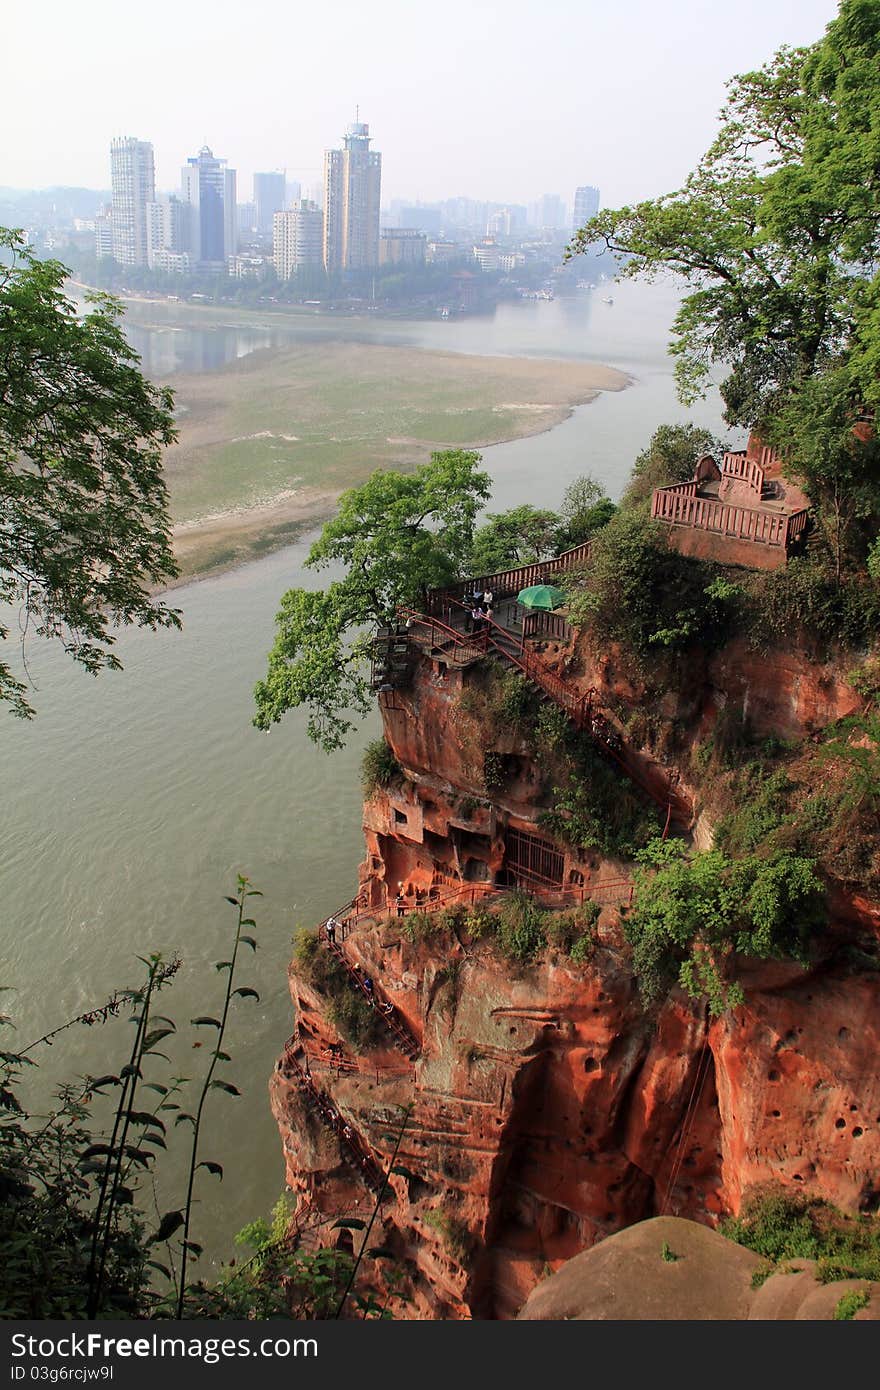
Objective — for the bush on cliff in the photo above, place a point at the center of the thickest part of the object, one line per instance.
(782, 1225)
(379, 767)
(690, 915)
(644, 595)
(521, 929)
(595, 806)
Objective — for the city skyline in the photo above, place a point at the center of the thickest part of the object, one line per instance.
(501, 102)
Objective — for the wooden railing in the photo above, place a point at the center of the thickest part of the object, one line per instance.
(540, 623)
(508, 582)
(679, 506)
(737, 464)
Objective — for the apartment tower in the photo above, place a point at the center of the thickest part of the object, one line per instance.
(133, 184)
(352, 179)
(298, 239)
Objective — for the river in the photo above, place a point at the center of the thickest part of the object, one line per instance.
(132, 801)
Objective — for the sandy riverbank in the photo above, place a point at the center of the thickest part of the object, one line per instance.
(268, 442)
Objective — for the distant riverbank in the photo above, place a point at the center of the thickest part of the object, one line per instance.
(267, 442)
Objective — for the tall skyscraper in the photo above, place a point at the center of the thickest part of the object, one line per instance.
(208, 188)
(352, 182)
(269, 197)
(586, 205)
(133, 183)
(298, 239)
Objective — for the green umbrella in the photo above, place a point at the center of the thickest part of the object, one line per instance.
(541, 596)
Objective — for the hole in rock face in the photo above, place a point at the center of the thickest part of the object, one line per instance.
(776, 1114)
(590, 1064)
(853, 1109)
(843, 1034)
(858, 1132)
(840, 1124)
(512, 1032)
(797, 1177)
(773, 1075)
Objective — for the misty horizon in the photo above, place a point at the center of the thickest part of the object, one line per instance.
(500, 103)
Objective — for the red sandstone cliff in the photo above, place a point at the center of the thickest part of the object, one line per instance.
(548, 1107)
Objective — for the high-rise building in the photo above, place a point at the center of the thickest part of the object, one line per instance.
(167, 231)
(269, 196)
(133, 184)
(293, 192)
(549, 212)
(586, 205)
(352, 181)
(208, 188)
(298, 239)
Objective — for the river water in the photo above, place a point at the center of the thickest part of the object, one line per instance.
(132, 801)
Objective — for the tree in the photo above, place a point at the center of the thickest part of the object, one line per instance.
(837, 458)
(670, 457)
(585, 510)
(396, 536)
(776, 233)
(515, 537)
(84, 525)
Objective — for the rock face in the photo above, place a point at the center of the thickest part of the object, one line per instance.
(549, 1109)
(675, 1270)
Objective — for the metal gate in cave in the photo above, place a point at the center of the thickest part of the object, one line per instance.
(529, 859)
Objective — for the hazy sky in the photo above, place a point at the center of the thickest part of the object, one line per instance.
(503, 100)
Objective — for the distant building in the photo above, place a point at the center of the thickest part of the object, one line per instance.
(246, 220)
(548, 212)
(208, 189)
(167, 232)
(298, 239)
(586, 205)
(439, 252)
(402, 246)
(422, 219)
(246, 267)
(133, 184)
(352, 183)
(174, 262)
(269, 198)
(104, 236)
(486, 255)
(293, 192)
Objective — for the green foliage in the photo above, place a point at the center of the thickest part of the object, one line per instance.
(639, 592)
(585, 510)
(838, 466)
(515, 537)
(455, 1233)
(349, 1011)
(86, 529)
(494, 775)
(854, 743)
(776, 231)
(762, 803)
(596, 807)
(671, 457)
(421, 926)
(520, 927)
(667, 1255)
(806, 599)
(690, 915)
(479, 922)
(394, 537)
(849, 1304)
(574, 932)
(865, 679)
(379, 767)
(781, 1225)
(553, 729)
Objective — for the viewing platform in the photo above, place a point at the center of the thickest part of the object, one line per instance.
(741, 513)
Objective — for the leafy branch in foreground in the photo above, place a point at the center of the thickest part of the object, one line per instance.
(171, 1221)
(85, 531)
